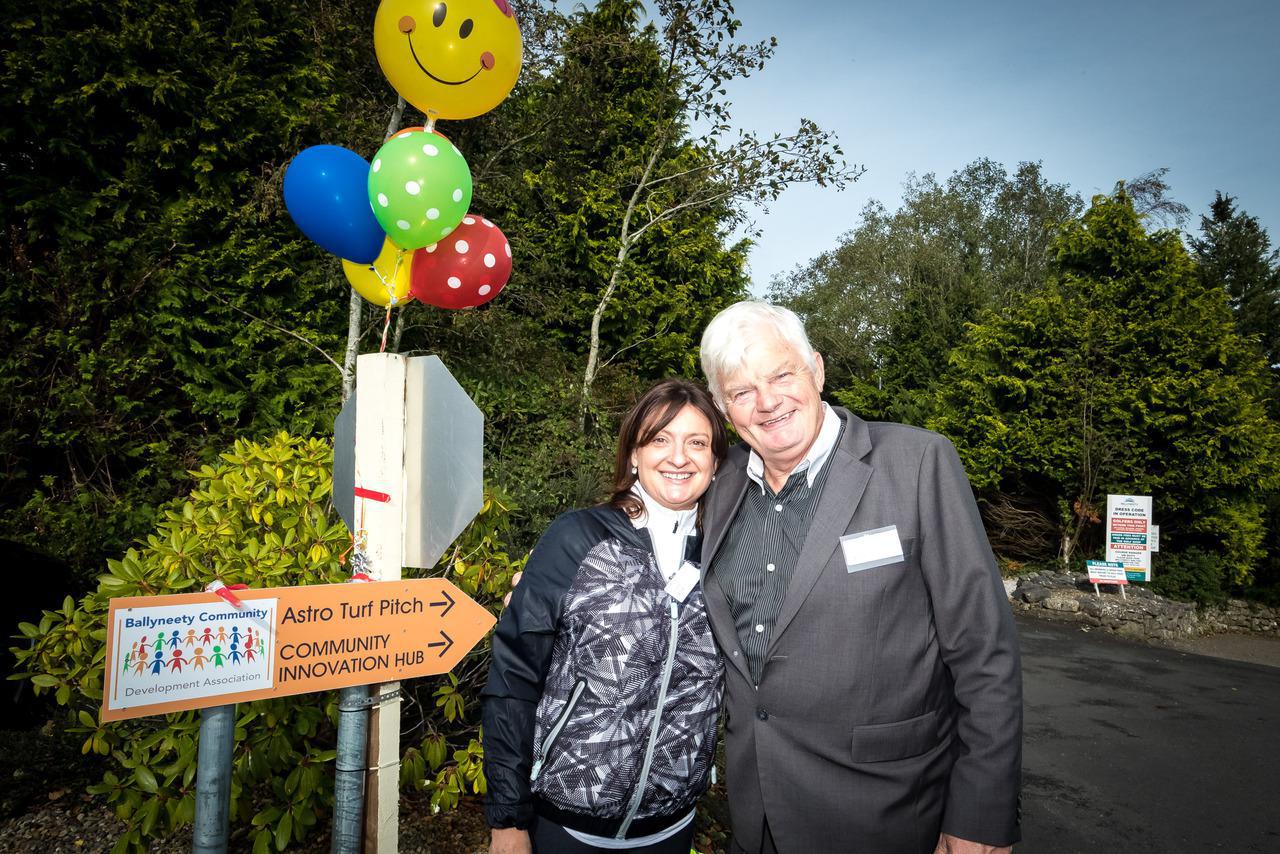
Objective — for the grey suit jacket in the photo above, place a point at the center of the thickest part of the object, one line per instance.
(890, 703)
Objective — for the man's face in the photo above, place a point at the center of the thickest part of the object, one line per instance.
(774, 401)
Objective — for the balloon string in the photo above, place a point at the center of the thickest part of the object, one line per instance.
(395, 274)
(385, 326)
(431, 124)
(388, 284)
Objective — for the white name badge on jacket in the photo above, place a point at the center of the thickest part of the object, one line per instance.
(682, 582)
(869, 549)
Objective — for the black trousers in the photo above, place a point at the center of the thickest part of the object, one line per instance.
(551, 838)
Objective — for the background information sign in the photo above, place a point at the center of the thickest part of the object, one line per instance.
(1106, 572)
(1128, 529)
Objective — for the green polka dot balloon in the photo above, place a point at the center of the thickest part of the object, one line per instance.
(419, 188)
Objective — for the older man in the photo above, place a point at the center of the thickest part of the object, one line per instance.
(874, 699)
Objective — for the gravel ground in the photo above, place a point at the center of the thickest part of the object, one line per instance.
(63, 820)
(1255, 649)
(86, 825)
(70, 824)
(81, 823)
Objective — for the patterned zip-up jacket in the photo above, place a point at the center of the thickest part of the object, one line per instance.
(583, 661)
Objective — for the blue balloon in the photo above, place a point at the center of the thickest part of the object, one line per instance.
(326, 189)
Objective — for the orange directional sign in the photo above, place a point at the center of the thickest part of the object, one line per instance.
(172, 653)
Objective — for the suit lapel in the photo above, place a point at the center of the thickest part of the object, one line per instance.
(846, 482)
(722, 502)
(721, 505)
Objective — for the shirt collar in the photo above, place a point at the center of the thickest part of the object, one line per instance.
(661, 518)
(813, 461)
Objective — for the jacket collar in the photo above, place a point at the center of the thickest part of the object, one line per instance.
(620, 527)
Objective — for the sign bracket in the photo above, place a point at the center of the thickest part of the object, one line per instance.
(359, 705)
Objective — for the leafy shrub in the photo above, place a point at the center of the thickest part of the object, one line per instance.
(481, 566)
(1193, 575)
(262, 517)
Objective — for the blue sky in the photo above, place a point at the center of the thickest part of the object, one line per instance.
(1096, 91)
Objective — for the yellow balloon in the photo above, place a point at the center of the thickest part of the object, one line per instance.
(386, 280)
(453, 59)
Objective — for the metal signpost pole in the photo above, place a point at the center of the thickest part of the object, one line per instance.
(351, 762)
(350, 767)
(213, 779)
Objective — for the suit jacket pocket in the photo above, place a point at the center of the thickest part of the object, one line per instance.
(895, 740)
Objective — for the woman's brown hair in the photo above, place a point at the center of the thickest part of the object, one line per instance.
(654, 411)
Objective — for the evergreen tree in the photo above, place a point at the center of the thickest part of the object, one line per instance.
(1235, 254)
(887, 306)
(565, 186)
(1126, 375)
(142, 232)
(635, 220)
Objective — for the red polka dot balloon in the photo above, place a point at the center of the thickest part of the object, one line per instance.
(465, 269)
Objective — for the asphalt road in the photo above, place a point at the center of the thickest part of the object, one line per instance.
(1132, 748)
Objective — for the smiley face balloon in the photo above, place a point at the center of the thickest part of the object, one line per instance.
(452, 59)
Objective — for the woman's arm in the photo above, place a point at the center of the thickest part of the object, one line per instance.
(522, 647)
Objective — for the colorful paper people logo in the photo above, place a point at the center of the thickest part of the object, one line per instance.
(210, 648)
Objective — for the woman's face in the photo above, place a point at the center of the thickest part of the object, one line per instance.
(675, 468)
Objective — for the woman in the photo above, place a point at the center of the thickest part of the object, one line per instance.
(600, 710)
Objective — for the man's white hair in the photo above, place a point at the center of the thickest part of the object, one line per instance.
(733, 330)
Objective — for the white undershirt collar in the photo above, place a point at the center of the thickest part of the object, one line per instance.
(667, 528)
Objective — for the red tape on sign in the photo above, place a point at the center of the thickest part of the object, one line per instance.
(218, 588)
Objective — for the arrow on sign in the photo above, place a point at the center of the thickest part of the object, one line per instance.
(448, 603)
(446, 643)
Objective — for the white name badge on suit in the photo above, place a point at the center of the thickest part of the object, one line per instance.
(869, 549)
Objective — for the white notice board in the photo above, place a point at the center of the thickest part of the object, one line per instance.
(1128, 534)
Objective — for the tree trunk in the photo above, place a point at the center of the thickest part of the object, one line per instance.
(593, 354)
(399, 330)
(355, 312)
(1068, 548)
(624, 248)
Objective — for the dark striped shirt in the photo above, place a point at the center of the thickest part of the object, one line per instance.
(755, 563)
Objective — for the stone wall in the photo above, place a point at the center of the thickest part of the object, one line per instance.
(1143, 615)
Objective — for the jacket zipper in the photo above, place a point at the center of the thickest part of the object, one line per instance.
(657, 721)
(555, 730)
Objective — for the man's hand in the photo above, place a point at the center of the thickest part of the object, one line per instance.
(948, 844)
(509, 840)
(515, 579)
